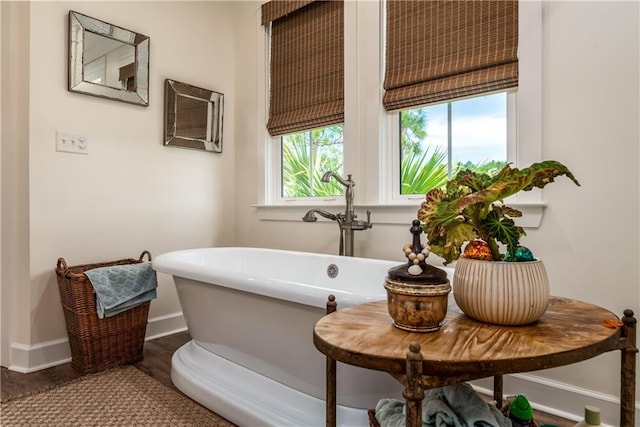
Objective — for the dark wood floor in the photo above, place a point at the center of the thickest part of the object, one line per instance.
(156, 363)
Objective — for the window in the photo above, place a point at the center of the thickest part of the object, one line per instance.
(306, 102)
(442, 51)
(371, 134)
(437, 141)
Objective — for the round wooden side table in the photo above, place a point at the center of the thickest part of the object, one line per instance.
(464, 349)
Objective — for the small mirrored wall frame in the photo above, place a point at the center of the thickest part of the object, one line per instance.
(134, 76)
(193, 117)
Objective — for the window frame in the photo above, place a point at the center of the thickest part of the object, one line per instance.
(368, 127)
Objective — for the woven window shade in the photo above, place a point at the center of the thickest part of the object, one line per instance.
(307, 67)
(441, 50)
(276, 9)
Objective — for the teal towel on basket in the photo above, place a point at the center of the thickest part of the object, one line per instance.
(121, 287)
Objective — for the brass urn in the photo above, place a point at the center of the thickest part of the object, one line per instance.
(417, 293)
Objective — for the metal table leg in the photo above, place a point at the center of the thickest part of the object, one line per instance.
(331, 376)
(628, 350)
(414, 391)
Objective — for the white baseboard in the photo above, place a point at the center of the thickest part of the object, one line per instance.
(161, 326)
(556, 398)
(31, 358)
(35, 357)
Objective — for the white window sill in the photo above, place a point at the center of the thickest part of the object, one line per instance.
(399, 214)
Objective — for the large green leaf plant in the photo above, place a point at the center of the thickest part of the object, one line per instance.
(470, 207)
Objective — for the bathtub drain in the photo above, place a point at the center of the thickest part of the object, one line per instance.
(332, 271)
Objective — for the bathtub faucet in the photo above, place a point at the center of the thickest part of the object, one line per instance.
(346, 221)
(311, 217)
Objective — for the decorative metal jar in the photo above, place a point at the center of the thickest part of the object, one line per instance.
(417, 293)
(417, 307)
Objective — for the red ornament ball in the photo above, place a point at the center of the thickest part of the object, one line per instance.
(477, 249)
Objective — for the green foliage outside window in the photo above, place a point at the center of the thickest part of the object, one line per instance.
(490, 167)
(420, 170)
(306, 156)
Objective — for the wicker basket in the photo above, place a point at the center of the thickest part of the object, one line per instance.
(95, 343)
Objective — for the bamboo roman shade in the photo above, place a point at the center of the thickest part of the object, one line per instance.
(306, 66)
(440, 50)
(275, 9)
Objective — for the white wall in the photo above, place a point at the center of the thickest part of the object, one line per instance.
(15, 190)
(589, 236)
(130, 193)
(4, 34)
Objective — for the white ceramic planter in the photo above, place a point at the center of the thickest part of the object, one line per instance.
(502, 293)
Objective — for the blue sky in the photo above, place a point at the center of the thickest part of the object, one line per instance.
(479, 128)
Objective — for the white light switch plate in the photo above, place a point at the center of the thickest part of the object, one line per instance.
(72, 143)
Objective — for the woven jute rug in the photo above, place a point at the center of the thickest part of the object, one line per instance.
(116, 397)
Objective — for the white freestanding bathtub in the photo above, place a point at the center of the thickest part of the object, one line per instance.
(251, 313)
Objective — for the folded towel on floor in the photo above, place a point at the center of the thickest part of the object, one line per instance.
(121, 287)
(456, 405)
